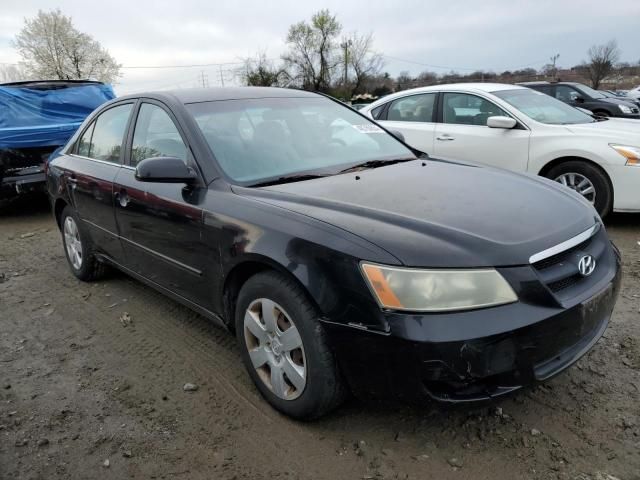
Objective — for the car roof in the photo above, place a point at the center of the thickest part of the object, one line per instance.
(470, 87)
(198, 95)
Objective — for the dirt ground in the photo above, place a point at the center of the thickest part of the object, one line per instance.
(85, 394)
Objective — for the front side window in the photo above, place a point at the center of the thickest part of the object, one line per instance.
(566, 94)
(543, 108)
(104, 141)
(416, 108)
(466, 109)
(256, 140)
(156, 135)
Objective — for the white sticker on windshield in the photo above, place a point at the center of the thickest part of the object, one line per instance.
(368, 128)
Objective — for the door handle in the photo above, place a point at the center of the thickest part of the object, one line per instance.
(445, 138)
(122, 198)
(72, 180)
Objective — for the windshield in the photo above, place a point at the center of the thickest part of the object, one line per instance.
(258, 140)
(543, 108)
(590, 91)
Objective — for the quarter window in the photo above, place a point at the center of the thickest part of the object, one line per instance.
(466, 109)
(156, 135)
(103, 139)
(416, 108)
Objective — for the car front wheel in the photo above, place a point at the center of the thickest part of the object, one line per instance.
(587, 180)
(284, 347)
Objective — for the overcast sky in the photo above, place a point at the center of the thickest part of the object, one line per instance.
(461, 35)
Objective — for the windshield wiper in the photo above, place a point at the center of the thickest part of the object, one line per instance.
(374, 164)
(288, 179)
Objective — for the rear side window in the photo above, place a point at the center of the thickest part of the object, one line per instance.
(156, 135)
(416, 108)
(103, 139)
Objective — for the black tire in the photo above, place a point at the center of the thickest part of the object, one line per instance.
(604, 194)
(324, 389)
(90, 268)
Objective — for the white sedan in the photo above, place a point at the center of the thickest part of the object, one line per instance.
(519, 129)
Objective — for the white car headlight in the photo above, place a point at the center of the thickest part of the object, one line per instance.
(419, 290)
(632, 154)
(624, 109)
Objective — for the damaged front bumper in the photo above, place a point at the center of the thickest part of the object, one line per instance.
(474, 356)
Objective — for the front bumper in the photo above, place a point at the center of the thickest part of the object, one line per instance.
(449, 359)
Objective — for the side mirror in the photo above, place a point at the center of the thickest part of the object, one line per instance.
(501, 122)
(398, 134)
(164, 170)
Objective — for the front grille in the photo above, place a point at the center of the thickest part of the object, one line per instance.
(560, 272)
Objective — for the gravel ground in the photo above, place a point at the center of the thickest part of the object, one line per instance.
(88, 392)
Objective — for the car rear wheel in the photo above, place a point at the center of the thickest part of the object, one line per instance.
(587, 180)
(78, 247)
(284, 347)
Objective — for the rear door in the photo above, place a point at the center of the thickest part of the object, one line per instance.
(463, 134)
(90, 170)
(161, 224)
(414, 116)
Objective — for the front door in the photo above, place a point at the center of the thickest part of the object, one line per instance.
(161, 224)
(464, 134)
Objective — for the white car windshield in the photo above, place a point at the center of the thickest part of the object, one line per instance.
(543, 108)
(263, 139)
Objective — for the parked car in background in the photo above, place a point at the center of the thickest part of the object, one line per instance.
(37, 117)
(340, 257)
(612, 94)
(579, 95)
(634, 93)
(523, 130)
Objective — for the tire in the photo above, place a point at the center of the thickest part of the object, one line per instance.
(601, 113)
(86, 267)
(323, 389)
(603, 193)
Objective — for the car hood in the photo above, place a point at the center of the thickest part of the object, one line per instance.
(615, 128)
(617, 101)
(442, 214)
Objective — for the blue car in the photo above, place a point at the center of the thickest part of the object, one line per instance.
(36, 118)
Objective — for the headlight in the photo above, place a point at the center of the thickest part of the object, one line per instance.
(437, 290)
(624, 109)
(632, 154)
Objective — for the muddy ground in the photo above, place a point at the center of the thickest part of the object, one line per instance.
(86, 395)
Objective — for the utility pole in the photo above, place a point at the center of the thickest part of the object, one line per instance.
(345, 45)
(221, 76)
(554, 59)
(204, 79)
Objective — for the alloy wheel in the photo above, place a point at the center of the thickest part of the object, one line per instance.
(275, 348)
(73, 243)
(580, 184)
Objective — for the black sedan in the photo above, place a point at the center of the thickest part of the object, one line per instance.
(342, 259)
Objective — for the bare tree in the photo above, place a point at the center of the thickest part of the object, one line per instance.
(261, 72)
(52, 48)
(11, 73)
(361, 60)
(312, 51)
(602, 59)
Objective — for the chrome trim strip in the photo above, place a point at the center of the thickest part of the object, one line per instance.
(566, 245)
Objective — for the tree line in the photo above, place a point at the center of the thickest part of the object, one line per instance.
(321, 56)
